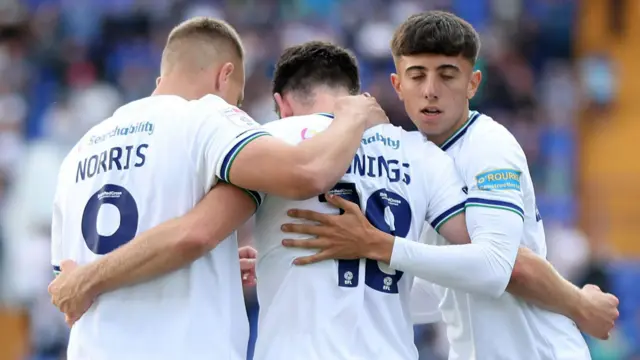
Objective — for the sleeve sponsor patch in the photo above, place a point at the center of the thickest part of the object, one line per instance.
(502, 179)
(239, 117)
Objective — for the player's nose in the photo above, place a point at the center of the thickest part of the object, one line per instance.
(430, 88)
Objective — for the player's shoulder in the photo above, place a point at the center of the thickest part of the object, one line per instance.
(294, 129)
(212, 106)
(487, 137)
(422, 149)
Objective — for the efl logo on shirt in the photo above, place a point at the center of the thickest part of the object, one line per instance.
(239, 117)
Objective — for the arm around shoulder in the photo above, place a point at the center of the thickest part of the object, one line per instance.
(270, 165)
(313, 166)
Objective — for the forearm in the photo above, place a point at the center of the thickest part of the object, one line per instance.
(475, 268)
(536, 281)
(297, 172)
(153, 253)
(328, 155)
(172, 244)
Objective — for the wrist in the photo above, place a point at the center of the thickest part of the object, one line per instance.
(579, 308)
(379, 245)
(89, 281)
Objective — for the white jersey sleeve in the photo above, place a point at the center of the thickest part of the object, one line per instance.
(495, 203)
(57, 219)
(444, 187)
(485, 265)
(493, 171)
(56, 235)
(222, 134)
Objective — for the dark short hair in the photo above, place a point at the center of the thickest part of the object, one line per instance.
(302, 67)
(437, 33)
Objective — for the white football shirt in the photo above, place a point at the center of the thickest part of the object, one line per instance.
(496, 176)
(152, 161)
(351, 309)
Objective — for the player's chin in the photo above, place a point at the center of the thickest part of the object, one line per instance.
(430, 128)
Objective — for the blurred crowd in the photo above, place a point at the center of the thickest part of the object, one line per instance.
(67, 64)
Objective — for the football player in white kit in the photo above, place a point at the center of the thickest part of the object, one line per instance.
(154, 160)
(434, 54)
(319, 312)
(322, 311)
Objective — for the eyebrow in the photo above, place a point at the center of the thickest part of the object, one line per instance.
(441, 67)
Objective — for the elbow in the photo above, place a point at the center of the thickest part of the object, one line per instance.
(496, 286)
(307, 183)
(522, 272)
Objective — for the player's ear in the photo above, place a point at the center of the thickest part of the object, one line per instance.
(395, 82)
(158, 81)
(224, 76)
(282, 107)
(474, 84)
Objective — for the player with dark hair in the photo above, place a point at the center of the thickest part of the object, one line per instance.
(153, 160)
(434, 54)
(344, 309)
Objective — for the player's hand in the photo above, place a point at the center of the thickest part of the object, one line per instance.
(346, 236)
(362, 108)
(68, 294)
(248, 257)
(599, 312)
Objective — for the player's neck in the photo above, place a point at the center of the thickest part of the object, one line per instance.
(179, 88)
(442, 138)
(324, 102)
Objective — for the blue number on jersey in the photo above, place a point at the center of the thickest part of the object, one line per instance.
(388, 212)
(122, 199)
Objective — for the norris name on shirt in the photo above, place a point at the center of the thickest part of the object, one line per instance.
(116, 158)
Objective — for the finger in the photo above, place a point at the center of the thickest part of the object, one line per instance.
(67, 265)
(591, 286)
(247, 264)
(304, 244)
(311, 259)
(70, 319)
(247, 252)
(308, 214)
(342, 203)
(303, 229)
(614, 300)
(51, 287)
(250, 281)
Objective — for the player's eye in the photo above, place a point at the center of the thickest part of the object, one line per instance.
(417, 77)
(446, 76)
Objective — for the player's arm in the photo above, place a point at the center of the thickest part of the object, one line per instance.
(313, 166)
(170, 245)
(484, 266)
(478, 267)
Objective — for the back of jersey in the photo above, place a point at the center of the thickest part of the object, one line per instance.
(327, 310)
(143, 166)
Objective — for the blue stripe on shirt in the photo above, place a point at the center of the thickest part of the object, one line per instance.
(495, 204)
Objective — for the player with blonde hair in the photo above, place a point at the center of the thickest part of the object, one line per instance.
(153, 160)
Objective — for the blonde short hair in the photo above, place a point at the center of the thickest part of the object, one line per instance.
(201, 39)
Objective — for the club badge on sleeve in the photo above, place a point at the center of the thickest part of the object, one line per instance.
(239, 117)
